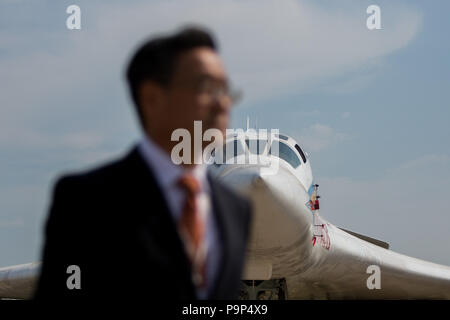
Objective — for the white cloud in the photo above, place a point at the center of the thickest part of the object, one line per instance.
(318, 137)
(271, 47)
(345, 115)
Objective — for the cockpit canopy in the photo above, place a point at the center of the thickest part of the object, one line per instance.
(255, 146)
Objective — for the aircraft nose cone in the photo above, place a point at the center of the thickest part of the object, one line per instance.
(276, 201)
(243, 179)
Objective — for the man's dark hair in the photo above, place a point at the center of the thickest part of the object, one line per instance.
(156, 59)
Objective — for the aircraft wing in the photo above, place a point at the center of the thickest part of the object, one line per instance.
(18, 282)
(347, 270)
(321, 261)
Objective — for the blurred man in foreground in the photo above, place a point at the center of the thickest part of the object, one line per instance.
(143, 227)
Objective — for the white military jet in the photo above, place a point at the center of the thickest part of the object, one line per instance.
(294, 253)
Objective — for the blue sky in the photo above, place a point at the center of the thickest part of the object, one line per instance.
(370, 107)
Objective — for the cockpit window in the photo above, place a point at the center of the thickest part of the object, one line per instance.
(282, 136)
(286, 153)
(256, 146)
(300, 152)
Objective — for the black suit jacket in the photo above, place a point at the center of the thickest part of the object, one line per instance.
(114, 223)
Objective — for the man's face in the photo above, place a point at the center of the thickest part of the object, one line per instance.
(198, 73)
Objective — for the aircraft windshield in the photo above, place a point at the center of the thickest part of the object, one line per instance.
(256, 146)
(235, 148)
(286, 153)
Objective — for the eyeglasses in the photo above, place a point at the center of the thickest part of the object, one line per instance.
(213, 89)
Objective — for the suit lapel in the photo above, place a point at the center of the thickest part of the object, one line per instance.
(220, 209)
(153, 212)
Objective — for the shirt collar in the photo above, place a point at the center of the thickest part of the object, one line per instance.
(167, 172)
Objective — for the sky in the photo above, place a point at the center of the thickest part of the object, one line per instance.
(370, 107)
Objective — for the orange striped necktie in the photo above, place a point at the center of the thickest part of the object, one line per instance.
(192, 229)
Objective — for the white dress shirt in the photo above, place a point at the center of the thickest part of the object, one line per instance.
(167, 175)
